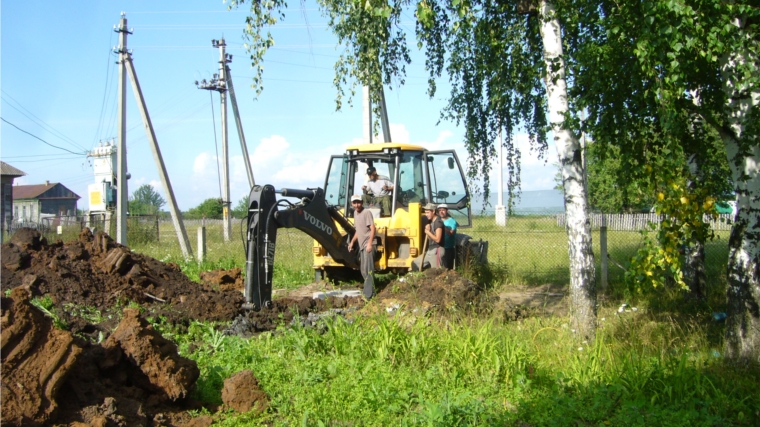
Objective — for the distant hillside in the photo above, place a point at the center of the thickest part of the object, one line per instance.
(530, 202)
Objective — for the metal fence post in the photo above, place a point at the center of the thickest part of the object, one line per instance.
(603, 250)
(202, 241)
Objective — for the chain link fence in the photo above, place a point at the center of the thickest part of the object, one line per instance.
(140, 228)
(529, 249)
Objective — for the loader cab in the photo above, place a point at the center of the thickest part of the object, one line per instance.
(418, 176)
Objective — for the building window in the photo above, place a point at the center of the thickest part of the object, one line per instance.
(23, 212)
(15, 212)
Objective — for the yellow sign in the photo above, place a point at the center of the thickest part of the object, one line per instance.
(95, 198)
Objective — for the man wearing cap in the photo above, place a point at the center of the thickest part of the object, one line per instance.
(449, 236)
(435, 252)
(380, 190)
(365, 236)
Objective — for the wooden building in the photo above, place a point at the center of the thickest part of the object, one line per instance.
(7, 174)
(33, 202)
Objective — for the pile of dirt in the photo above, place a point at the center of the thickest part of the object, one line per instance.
(226, 280)
(50, 377)
(445, 292)
(435, 289)
(97, 274)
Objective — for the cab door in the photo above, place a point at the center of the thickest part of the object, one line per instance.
(448, 186)
(336, 183)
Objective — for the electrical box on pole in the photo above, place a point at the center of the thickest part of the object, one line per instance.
(102, 194)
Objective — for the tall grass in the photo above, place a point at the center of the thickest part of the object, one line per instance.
(380, 371)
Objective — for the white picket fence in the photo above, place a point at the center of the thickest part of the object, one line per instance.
(635, 222)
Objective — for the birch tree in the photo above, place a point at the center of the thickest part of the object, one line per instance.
(679, 60)
(582, 272)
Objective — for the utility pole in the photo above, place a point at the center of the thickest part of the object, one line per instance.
(239, 123)
(179, 226)
(501, 210)
(367, 116)
(384, 117)
(121, 150)
(219, 84)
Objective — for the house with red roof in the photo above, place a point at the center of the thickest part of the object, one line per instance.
(51, 199)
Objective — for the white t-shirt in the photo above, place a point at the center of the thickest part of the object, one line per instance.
(377, 187)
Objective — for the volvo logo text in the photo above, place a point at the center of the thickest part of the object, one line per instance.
(317, 223)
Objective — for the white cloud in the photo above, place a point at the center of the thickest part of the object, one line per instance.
(399, 133)
(269, 150)
(201, 163)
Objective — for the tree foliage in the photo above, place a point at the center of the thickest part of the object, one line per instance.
(145, 201)
(209, 208)
(241, 209)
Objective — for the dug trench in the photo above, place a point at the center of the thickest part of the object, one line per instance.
(103, 364)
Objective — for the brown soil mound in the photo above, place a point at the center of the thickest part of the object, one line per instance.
(436, 288)
(50, 377)
(446, 292)
(228, 280)
(36, 358)
(241, 393)
(97, 274)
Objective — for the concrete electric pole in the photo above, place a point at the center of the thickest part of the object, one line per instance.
(239, 124)
(121, 149)
(126, 67)
(367, 121)
(219, 84)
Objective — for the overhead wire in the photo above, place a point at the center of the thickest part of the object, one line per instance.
(106, 91)
(39, 122)
(37, 137)
(216, 145)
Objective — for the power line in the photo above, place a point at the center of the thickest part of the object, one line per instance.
(43, 160)
(32, 155)
(35, 136)
(106, 90)
(39, 121)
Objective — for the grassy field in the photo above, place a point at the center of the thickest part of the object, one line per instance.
(645, 369)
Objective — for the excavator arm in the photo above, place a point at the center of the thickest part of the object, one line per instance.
(310, 214)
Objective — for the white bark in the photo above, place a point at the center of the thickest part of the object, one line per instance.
(582, 271)
(742, 341)
(694, 256)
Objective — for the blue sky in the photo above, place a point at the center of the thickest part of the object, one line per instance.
(59, 80)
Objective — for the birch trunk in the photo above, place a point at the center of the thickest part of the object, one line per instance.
(742, 340)
(694, 254)
(582, 272)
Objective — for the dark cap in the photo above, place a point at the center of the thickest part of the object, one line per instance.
(371, 170)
